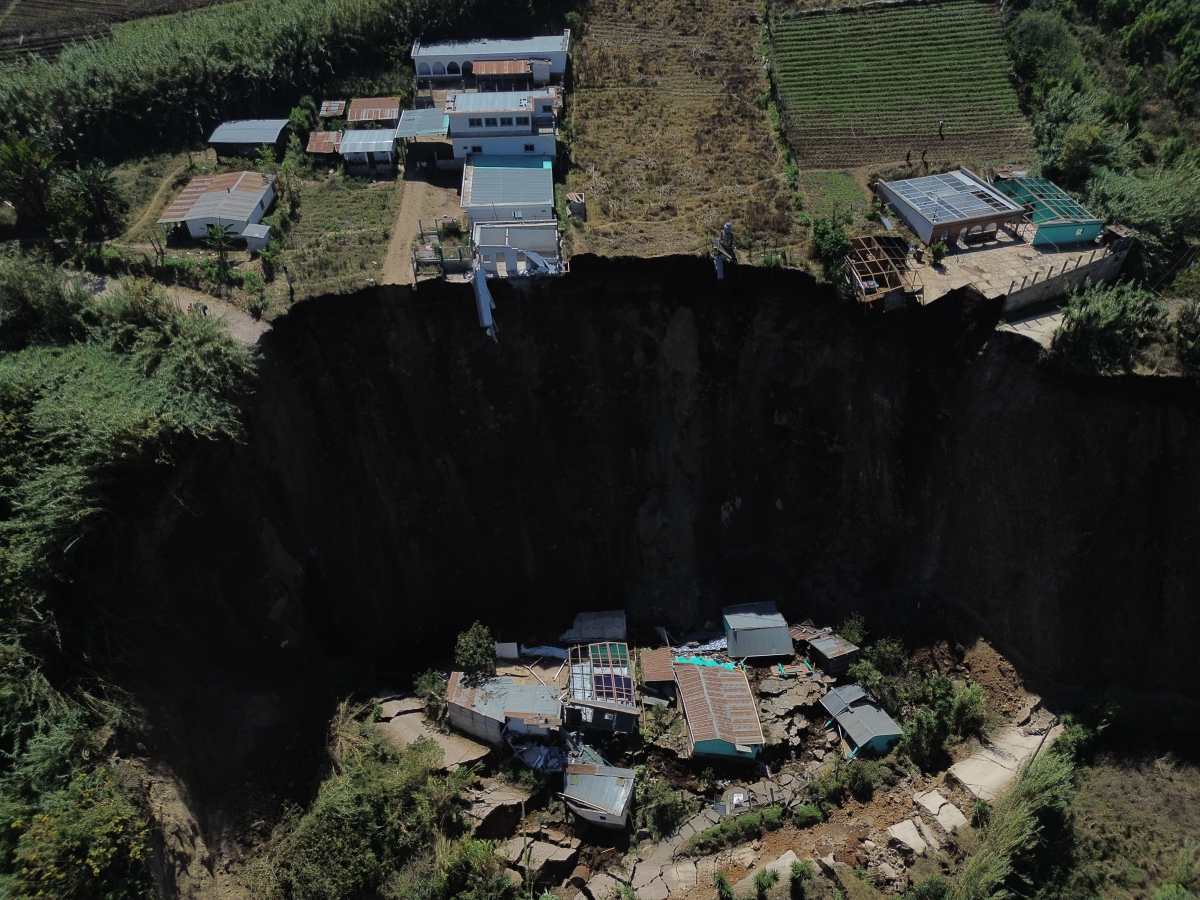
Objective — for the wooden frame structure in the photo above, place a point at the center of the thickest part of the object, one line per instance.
(877, 267)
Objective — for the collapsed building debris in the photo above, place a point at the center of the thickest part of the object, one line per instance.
(601, 694)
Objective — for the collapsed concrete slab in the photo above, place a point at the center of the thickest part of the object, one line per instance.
(987, 772)
(906, 835)
(782, 866)
(496, 808)
(408, 727)
(950, 818)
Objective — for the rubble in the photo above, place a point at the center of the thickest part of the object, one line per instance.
(496, 808)
(782, 865)
(947, 815)
(908, 837)
(988, 771)
(542, 861)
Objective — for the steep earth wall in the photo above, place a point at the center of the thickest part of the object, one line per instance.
(643, 436)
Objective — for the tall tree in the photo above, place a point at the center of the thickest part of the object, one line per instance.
(26, 170)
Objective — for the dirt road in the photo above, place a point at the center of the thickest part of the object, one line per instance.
(427, 195)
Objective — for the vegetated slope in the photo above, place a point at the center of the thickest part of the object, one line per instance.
(44, 26)
(670, 136)
(869, 85)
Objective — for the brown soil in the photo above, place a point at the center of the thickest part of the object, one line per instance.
(1000, 681)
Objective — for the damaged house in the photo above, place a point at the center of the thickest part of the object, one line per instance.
(721, 715)
(756, 630)
(860, 721)
(831, 652)
(497, 709)
(600, 693)
(600, 794)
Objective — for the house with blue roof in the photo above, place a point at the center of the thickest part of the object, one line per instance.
(860, 721)
(508, 189)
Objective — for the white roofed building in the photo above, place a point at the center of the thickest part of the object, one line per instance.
(457, 59)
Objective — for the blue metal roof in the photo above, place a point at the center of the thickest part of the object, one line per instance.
(496, 101)
(508, 181)
(858, 716)
(417, 122)
(517, 47)
(248, 131)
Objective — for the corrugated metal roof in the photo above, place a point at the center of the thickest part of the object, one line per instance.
(746, 616)
(1049, 202)
(540, 237)
(508, 181)
(368, 140)
(417, 122)
(501, 67)
(551, 43)
(501, 697)
(331, 108)
(248, 131)
(718, 704)
(832, 646)
(497, 101)
(324, 141)
(858, 716)
(953, 196)
(232, 195)
(658, 665)
(605, 788)
(257, 230)
(373, 109)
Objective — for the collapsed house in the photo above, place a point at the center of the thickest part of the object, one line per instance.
(658, 672)
(599, 793)
(755, 630)
(498, 709)
(831, 652)
(860, 721)
(600, 691)
(721, 714)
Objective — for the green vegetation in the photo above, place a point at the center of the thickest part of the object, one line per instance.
(830, 246)
(799, 877)
(431, 686)
(1104, 328)
(832, 194)
(92, 392)
(658, 807)
(890, 95)
(724, 888)
(1185, 331)
(764, 880)
(77, 204)
(844, 778)
(734, 830)
(385, 823)
(475, 650)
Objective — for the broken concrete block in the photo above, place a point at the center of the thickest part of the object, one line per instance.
(602, 887)
(928, 834)
(931, 801)
(645, 873)
(655, 890)
(680, 877)
(951, 818)
(908, 837)
(782, 865)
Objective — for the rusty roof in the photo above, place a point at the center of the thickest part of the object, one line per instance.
(330, 108)
(324, 141)
(373, 109)
(501, 67)
(718, 704)
(658, 665)
(200, 190)
(501, 697)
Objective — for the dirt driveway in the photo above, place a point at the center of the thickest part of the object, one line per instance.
(427, 195)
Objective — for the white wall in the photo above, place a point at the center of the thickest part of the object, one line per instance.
(198, 228)
(440, 63)
(1104, 269)
(508, 145)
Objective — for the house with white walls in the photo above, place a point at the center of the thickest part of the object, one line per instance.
(544, 57)
(503, 123)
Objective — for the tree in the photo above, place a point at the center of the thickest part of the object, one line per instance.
(1105, 327)
(220, 239)
(475, 650)
(938, 251)
(1186, 332)
(854, 629)
(924, 737)
(303, 117)
(430, 686)
(830, 245)
(26, 171)
(86, 202)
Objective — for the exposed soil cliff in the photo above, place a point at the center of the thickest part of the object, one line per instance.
(643, 436)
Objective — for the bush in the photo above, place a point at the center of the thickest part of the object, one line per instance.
(734, 830)
(854, 629)
(1185, 331)
(969, 712)
(430, 686)
(938, 251)
(801, 874)
(764, 880)
(830, 246)
(1105, 327)
(475, 650)
(660, 808)
(88, 840)
(724, 888)
(924, 738)
(933, 888)
(806, 815)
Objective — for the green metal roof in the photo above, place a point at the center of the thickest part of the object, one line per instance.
(1050, 202)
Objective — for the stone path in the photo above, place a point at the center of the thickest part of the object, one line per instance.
(987, 772)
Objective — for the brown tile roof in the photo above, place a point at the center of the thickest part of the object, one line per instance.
(718, 704)
(194, 190)
(372, 109)
(331, 108)
(324, 141)
(658, 665)
(501, 67)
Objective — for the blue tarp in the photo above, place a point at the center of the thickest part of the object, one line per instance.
(704, 661)
(422, 122)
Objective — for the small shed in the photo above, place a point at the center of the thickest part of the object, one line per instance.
(517, 249)
(860, 721)
(324, 143)
(372, 111)
(833, 653)
(949, 206)
(602, 625)
(658, 671)
(601, 695)
(415, 123)
(722, 717)
(1059, 219)
(492, 709)
(599, 794)
(332, 109)
(756, 630)
(244, 137)
(369, 149)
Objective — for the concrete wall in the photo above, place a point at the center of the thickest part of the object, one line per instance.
(506, 145)
(470, 722)
(431, 66)
(1105, 268)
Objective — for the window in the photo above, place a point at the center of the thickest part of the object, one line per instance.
(477, 149)
(506, 120)
(522, 120)
(547, 107)
(475, 123)
(490, 123)
(529, 148)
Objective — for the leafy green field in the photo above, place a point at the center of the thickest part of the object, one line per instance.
(871, 85)
(827, 193)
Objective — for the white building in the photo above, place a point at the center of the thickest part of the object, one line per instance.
(503, 123)
(456, 59)
(507, 249)
(234, 201)
(508, 189)
(370, 148)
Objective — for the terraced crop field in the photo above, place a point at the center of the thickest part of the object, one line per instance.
(870, 85)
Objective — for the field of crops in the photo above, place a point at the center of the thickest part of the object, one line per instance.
(871, 85)
(833, 193)
(44, 26)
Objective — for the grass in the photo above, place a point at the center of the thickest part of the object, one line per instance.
(829, 192)
(339, 242)
(144, 186)
(734, 830)
(871, 84)
(669, 132)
